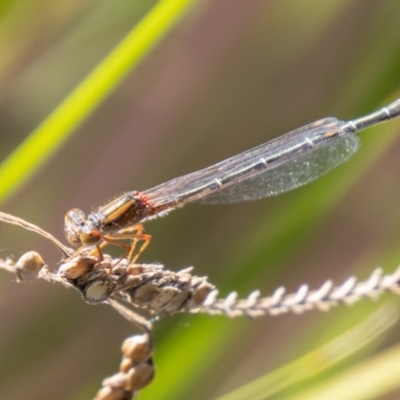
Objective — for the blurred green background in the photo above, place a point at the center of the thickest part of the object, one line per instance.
(228, 76)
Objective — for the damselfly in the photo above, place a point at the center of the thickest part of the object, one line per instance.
(282, 164)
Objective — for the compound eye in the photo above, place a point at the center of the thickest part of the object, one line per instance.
(90, 238)
(75, 216)
(74, 223)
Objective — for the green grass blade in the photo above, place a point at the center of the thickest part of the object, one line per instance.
(369, 379)
(317, 361)
(62, 122)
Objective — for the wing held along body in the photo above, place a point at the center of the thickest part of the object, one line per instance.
(282, 164)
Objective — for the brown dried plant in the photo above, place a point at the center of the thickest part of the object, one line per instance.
(129, 287)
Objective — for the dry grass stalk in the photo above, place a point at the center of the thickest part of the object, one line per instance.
(130, 287)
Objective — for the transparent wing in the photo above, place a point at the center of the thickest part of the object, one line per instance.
(290, 175)
(274, 167)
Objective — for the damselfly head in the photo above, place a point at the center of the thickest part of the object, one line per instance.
(78, 229)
